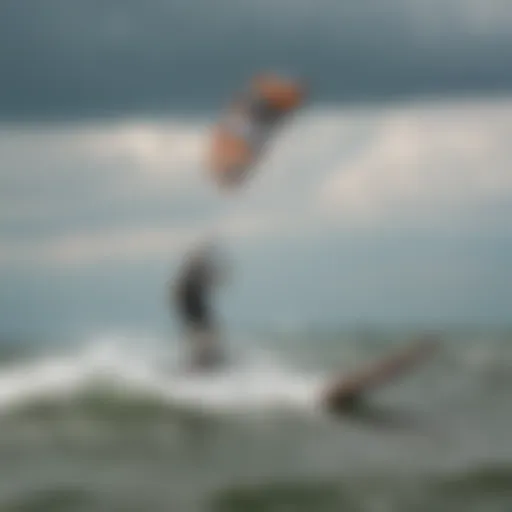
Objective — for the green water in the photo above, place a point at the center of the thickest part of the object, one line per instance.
(439, 440)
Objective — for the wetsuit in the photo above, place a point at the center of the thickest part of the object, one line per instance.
(191, 296)
(191, 301)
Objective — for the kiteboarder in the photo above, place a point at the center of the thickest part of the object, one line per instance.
(236, 146)
(191, 300)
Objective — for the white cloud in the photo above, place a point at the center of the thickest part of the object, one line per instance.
(86, 194)
(130, 244)
(425, 162)
(140, 184)
(91, 248)
(164, 147)
(54, 171)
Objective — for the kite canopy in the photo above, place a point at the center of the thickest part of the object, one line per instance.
(248, 123)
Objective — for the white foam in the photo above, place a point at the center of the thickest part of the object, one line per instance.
(259, 380)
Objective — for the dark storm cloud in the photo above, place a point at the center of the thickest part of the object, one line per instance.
(75, 57)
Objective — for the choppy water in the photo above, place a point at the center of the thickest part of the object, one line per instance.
(114, 424)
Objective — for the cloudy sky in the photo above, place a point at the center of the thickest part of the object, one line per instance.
(387, 199)
(76, 57)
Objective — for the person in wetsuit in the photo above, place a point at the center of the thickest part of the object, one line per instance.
(191, 300)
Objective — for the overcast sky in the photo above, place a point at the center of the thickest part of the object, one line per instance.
(77, 58)
(367, 212)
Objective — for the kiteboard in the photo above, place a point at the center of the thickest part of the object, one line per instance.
(346, 392)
